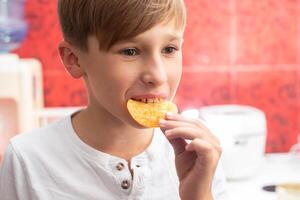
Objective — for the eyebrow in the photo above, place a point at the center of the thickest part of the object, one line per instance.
(173, 37)
(168, 36)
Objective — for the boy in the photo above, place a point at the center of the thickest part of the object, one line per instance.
(124, 50)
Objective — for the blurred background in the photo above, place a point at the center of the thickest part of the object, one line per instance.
(242, 55)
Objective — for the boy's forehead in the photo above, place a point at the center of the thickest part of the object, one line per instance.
(162, 31)
(163, 37)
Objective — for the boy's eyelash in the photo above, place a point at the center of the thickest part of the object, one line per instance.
(135, 51)
(171, 47)
(129, 51)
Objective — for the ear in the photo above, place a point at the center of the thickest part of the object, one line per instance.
(70, 59)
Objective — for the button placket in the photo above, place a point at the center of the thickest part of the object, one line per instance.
(138, 165)
(123, 175)
(120, 166)
(125, 184)
(138, 182)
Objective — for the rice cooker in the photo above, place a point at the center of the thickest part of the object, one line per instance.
(242, 133)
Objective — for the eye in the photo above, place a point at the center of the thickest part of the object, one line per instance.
(129, 52)
(169, 50)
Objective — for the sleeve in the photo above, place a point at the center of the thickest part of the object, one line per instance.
(219, 184)
(13, 183)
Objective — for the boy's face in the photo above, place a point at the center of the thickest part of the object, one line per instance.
(148, 66)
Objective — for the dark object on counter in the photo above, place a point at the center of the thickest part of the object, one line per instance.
(269, 188)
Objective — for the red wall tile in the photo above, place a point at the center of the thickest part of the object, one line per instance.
(274, 92)
(62, 88)
(266, 32)
(43, 34)
(207, 33)
(41, 43)
(298, 104)
(202, 88)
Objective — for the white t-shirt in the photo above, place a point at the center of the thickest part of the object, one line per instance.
(52, 163)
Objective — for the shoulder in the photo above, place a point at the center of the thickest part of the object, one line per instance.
(40, 140)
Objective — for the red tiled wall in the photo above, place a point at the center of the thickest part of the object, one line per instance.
(244, 52)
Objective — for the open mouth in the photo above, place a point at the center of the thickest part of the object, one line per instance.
(148, 114)
(149, 100)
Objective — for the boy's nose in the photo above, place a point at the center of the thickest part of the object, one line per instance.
(155, 72)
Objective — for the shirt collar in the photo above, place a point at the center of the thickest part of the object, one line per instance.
(106, 160)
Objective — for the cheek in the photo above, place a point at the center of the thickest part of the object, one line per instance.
(173, 82)
(175, 72)
(115, 83)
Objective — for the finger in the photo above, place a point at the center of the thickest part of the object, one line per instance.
(207, 157)
(170, 124)
(203, 148)
(178, 145)
(190, 133)
(177, 117)
(186, 133)
(173, 118)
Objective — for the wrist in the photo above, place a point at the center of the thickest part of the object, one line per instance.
(207, 196)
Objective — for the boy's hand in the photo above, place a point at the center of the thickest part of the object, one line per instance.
(196, 162)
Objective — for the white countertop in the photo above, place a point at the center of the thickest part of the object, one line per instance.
(276, 169)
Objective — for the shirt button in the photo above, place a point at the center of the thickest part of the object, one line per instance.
(120, 166)
(125, 184)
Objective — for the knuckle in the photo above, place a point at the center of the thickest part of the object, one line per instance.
(218, 141)
(219, 149)
(198, 122)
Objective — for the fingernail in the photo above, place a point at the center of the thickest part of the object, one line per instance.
(162, 122)
(169, 114)
(167, 133)
(187, 147)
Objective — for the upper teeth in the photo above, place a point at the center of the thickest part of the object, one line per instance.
(155, 100)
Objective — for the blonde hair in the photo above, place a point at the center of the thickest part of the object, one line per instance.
(115, 20)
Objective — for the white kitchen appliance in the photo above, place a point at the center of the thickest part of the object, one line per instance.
(242, 132)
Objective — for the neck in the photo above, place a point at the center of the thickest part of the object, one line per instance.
(108, 136)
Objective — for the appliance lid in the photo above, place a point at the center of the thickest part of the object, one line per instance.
(234, 119)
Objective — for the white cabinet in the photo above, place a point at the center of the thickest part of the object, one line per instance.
(21, 95)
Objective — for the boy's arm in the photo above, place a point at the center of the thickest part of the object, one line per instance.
(195, 162)
(13, 184)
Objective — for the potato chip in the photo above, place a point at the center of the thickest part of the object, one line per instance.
(149, 114)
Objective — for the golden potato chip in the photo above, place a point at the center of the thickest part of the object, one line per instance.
(149, 114)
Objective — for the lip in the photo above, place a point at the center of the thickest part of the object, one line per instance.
(150, 96)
